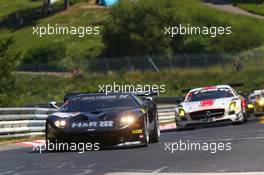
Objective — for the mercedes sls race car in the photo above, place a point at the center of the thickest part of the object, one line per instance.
(257, 100)
(211, 104)
(112, 120)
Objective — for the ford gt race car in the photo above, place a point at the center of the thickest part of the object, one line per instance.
(112, 120)
(209, 105)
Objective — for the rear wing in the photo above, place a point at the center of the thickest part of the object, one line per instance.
(186, 90)
(233, 85)
(67, 96)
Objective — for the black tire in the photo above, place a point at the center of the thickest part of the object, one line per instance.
(241, 122)
(246, 118)
(258, 115)
(46, 135)
(154, 132)
(146, 133)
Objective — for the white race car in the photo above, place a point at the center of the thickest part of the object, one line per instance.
(211, 104)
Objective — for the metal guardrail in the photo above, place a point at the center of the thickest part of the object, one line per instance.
(20, 122)
(166, 113)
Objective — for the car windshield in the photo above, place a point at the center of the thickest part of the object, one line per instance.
(98, 102)
(254, 97)
(208, 94)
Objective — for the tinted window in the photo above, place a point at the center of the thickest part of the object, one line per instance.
(98, 102)
(206, 95)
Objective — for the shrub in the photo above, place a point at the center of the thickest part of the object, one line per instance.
(137, 28)
(7, 66)
(51, 53)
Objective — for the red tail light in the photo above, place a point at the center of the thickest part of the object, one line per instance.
(244, 103)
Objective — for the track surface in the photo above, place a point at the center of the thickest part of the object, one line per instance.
(247, 155)
(227, 7)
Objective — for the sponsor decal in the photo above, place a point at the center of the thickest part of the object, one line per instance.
(93, 124)
(138, 131)
(143, 111)
(207, 103)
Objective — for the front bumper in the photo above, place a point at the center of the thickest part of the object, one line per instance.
(128, 136)
(238, 117)
(259, 110)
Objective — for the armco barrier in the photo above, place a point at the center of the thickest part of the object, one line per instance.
(20, 122)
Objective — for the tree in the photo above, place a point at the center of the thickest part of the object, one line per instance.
(66, 4)
(140, 28)
(137, 28)
(7, 66)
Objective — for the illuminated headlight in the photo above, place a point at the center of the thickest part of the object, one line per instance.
(182, 113)
(127, 119)
(232, 106)
(60, 123)
(250, 106)
(261, 102)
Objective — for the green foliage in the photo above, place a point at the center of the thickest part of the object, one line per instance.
(48, 87)
(7, 66)
(48, 54)
(256, 6)
(77, 49)
(138, 29)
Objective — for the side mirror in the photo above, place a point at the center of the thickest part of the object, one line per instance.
(149, 98)
(53, 104)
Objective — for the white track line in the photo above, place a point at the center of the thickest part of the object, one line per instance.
(226, 173)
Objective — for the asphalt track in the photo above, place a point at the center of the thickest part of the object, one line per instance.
(246, 155)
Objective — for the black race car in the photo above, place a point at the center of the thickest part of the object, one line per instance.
(112, 120)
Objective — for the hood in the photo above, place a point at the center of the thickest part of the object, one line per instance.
(95, 115)
(207, 104)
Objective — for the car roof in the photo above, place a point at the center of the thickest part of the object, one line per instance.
(210, 87)
(100, 94)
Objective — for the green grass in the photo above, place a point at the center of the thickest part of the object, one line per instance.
(92, 46)
(24, 41)
(252, 7)
(42, 88)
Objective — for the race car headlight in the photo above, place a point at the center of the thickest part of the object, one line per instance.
(60, 123)
(250, 106)
(261, 102)
(127, 119)
(182, 113)
(232, 106)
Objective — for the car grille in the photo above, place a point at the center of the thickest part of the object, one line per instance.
(207, 114)
(83, 118)
(80, 118)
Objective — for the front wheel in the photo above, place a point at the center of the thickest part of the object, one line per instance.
(146, 133)
(243, 120)
(155, 132)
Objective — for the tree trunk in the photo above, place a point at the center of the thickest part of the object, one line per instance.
(66, 4)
